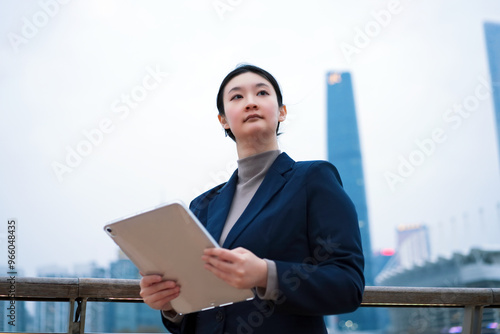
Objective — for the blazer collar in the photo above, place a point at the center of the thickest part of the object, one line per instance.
(218, 208)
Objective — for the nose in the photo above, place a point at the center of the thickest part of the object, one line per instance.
(250, 104)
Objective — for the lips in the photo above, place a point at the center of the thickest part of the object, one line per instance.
(252, 116)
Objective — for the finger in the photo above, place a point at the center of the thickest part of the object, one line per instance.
(163, 286)
(238, 250)
(162, 296)
(242, 251)
(217, 272)
(224, 269)
(213, 251)
(236, 281)
(212, 259)
(161, 300)
(156, 287)
(149, 280)
(223, 254)
(219, 264)
(160, 288)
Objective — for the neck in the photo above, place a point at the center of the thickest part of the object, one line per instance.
(254, 146)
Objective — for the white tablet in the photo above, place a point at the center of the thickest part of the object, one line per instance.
(169, 241)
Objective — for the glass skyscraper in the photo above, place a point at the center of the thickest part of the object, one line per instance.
(130, 317)
(492, 35)
(344, 151)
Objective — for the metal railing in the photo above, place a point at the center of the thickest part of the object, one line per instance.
(79, 291)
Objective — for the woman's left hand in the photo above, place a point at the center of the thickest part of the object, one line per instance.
(238, 267)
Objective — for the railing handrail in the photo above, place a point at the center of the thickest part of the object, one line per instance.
(127, 290)
(82, 290)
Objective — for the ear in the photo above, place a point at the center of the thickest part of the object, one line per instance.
(282, 114)
(223, 121)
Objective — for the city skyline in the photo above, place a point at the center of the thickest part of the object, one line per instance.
(107, 317)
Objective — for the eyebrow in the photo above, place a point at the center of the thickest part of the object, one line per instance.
(261, 84)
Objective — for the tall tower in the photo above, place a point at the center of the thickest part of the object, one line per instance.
(344, 151)
(492, 35)
(413, 245)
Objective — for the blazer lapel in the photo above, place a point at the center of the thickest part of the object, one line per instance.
(272, 183)
(218, 209)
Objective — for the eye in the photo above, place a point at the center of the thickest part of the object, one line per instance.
(262, 92)
(237, 96)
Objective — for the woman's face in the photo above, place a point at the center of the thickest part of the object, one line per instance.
(251, 107)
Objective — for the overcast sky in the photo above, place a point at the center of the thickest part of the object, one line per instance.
(131, 85)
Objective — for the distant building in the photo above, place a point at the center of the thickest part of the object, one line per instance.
(344, 151)
(413, 245)
(130, 317)
(492, 37)
(110, 317)
(381, 258)
(95, 317)
(479, 268)
(52, 317)
(121, 317)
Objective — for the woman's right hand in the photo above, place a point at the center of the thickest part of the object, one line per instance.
(157, 293)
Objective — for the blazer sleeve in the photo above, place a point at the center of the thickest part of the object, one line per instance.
(330, 279)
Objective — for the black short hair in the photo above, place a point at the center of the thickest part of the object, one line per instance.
(240, 69)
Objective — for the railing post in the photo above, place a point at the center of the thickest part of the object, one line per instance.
(71, 311)
(83, 313)
(473, 317)
(77, 326)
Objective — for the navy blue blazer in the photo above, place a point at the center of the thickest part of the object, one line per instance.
(301, 218)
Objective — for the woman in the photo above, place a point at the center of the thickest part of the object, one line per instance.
(286, 228)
